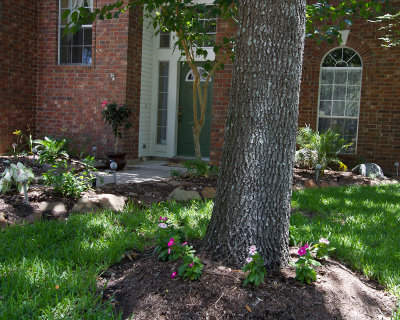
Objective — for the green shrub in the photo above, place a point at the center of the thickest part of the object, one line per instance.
(50, 150)
(319, 148)
(200, 168)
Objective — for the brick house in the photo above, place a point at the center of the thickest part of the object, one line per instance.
(56, 86)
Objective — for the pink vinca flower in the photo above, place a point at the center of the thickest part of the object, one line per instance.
(173, 275)
(105, 102)
(190, 265)
(302, 251)
(184, 244)
(165, 219)
(162, 225)
(248, 260)
(252, 250)
(306, 246)
(323, 240)
(171, 242)
(160, 219)
(169, 251)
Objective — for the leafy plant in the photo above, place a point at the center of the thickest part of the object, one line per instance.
(200, 168)
(117, 116)
(192, 267)
(319, 148)
(322, 248)
(304, 265)
(50, 150)
(255, 268)
(66, 181)
(23, 141)
(14, 176)
(176, 173)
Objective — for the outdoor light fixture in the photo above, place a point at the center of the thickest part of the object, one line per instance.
(397, 168)
(113, 166)
(318, 167)
(34, 151)
(112, 77)
(94, 149)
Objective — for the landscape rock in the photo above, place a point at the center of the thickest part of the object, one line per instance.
(208, 193)
(3, 220)
(112, 202)
(310, 184)
(102, 201)
(183, 195)
(56, 209)
(324, 184)
(37, 215)
(175, 183)
(370, 170)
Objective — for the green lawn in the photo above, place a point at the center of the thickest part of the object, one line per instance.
(48, 270)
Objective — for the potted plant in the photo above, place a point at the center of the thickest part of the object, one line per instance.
(117, 116)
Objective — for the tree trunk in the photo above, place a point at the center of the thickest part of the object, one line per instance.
(196, 141)
(252, 204)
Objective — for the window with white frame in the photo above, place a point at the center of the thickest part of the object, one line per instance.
(340, 94)
(75, 48)
(162, 114)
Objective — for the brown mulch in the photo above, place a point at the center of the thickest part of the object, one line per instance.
(141, 288)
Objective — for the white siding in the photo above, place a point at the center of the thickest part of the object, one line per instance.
(146, 90)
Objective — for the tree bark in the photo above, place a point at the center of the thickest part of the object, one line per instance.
(196, 142)
(252, 205)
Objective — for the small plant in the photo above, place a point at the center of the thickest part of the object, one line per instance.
(319, 148)
(66, 181)
(175, 173)
(304, 265)
(50, 150)
(14, 177)
(255, 268)
(170, 248)
(24, 141)
(117, 116)
(322, 248)
(200, 168)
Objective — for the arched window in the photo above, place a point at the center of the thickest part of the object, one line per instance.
(203, 75)
(340, 93)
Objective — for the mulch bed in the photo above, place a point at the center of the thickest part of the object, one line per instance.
(141, 288)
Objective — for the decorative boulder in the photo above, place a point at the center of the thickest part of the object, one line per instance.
(183, 195)
(371, 170)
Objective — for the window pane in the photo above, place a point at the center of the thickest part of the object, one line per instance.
(354, 77)
(347, 54)
(161, 135)
(355, 62)
(339, 93)
(325, 108)
(353, 93)
(327, 77)
(65, 40)
(329, 61)
(326, 92)
(65, 55)
(340, 76)
(338, 108)
(77, 38)
(337, 55)
(165, 39)
(162, 103)
(324, 124)
(163, 100)
(162, 117)
(76, 54)
(64, 3)
(352, 109)
(163, 84)
(64, 21)
(87, 55)
(88, 36)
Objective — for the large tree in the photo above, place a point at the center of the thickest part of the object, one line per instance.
(252, 205)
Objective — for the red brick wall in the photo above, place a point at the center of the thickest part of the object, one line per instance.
(70, 97)
(379, 125)
(18, 68)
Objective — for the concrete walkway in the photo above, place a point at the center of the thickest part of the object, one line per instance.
(152, 170)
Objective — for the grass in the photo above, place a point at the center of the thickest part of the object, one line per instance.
(49, 270)
(362, 223)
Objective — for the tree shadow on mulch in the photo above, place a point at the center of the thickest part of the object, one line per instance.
(143, 289)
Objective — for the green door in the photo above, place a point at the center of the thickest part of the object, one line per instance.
(185, 116)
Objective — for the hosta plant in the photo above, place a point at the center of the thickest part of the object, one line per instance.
(14, 177)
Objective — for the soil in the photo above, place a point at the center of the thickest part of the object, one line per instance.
(141, 288)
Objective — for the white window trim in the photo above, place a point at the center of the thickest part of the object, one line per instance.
(319, 90)
(59, 39)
